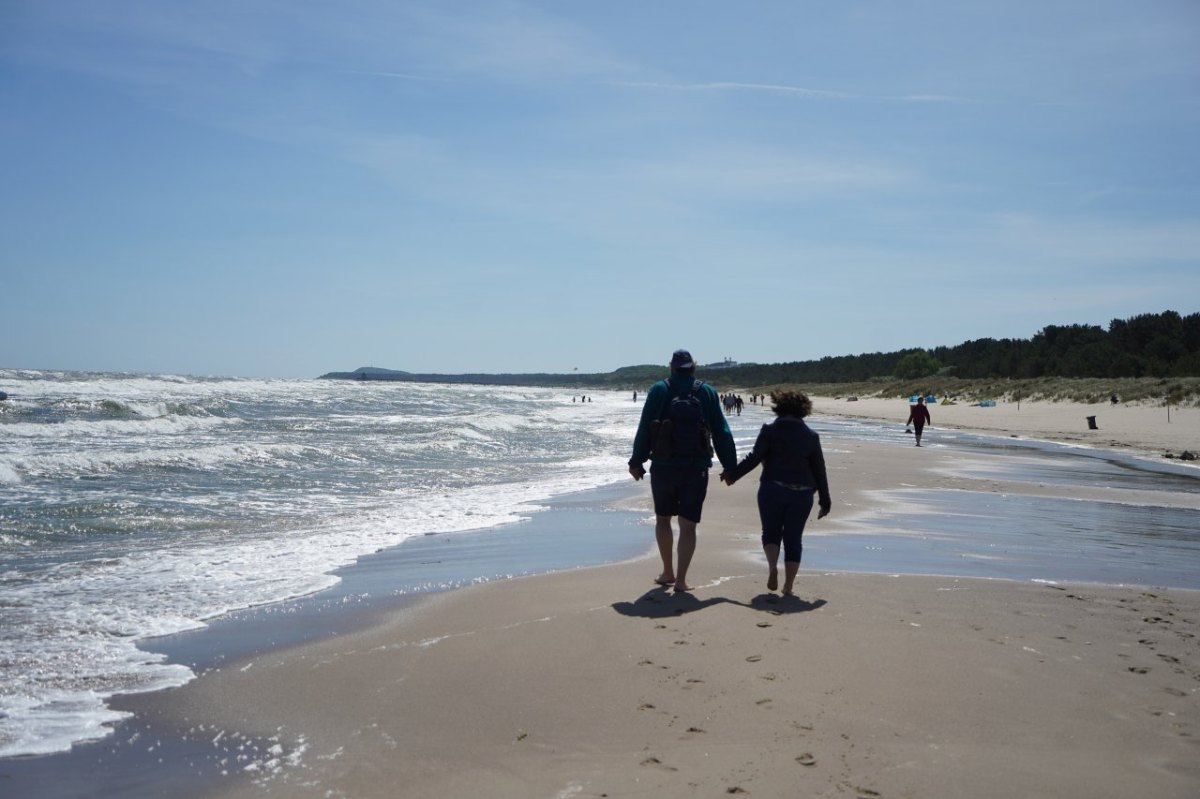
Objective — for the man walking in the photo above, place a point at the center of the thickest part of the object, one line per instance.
(681, 425)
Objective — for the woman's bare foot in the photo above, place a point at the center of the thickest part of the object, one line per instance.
(681, 587)
(772, 580)
(664, 579)
(787, 590)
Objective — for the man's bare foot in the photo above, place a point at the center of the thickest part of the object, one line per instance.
(682, 587)
(663, 579)
(787, 590)
(772, 580)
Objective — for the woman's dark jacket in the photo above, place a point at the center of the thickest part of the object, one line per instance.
(790, 453)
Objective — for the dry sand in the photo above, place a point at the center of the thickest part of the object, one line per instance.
(1140, 429)
(595, 682)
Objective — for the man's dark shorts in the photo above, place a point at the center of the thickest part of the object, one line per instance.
(679, 490)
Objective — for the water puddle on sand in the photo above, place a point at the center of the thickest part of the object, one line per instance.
(1019, 537)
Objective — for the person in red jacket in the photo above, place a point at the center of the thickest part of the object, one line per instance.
(918, 417)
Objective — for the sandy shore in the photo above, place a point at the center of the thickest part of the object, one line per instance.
(594, 682)
(1141, 429)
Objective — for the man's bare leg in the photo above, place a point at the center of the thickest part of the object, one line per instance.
(687, 548)
(665, 537)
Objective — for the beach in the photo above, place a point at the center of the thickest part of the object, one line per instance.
(1152, 430)
(595, 682)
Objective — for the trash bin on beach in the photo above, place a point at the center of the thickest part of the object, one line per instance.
(1092, 423)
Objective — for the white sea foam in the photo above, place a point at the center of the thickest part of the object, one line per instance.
(136, 506)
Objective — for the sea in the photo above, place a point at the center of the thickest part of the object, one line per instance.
(136, 508)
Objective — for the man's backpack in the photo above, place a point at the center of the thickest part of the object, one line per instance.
(682, 431)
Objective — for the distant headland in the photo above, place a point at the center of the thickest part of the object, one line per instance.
(625, 377)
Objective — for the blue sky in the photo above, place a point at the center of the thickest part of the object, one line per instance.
(284, 188)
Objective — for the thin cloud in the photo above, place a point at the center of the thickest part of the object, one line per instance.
(935, 98)
(378, 74)
(734, 86)
(775, 88)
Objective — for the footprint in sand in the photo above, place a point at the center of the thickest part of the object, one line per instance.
(1139, 669)
(754, 658)
(763, 624)
(806, 759)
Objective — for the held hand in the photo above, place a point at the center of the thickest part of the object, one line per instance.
(727, 478)
(638, 471)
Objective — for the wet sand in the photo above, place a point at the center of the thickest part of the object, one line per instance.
(596, 682)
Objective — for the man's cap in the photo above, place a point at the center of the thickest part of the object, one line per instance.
(682, 359)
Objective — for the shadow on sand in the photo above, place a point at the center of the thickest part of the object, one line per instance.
(661, 603)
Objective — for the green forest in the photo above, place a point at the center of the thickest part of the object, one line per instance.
(1149, 345)
(1145, 355)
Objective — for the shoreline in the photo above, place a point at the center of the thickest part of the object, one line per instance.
(374, 588)
(595, 682)
(239, 700)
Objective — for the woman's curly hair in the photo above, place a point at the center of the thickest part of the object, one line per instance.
(791, 403)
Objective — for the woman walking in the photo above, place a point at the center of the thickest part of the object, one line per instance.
(793, 471)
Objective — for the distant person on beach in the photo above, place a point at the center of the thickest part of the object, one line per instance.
(793, 471)
(918, 417)
(681, 425)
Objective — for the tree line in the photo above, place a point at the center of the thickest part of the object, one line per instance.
(1148, 345)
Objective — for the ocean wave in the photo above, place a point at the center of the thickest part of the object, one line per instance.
(83, 463)
(124, 427)
(8, 472)
(144, 505)
(66, 658)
